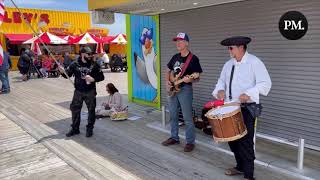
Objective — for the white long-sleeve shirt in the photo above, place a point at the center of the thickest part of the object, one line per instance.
(250, 77)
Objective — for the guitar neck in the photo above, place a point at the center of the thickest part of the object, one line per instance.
(178, 82)
(181, 80)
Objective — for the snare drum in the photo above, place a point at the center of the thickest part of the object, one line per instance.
(226, 123)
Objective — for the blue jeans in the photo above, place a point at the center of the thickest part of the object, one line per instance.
(184, 99)
(5, 81)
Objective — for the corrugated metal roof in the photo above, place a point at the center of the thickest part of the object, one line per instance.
(151, 7)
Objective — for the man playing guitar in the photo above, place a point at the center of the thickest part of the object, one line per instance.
(182, 65)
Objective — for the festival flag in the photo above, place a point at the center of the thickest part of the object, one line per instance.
(1, 20)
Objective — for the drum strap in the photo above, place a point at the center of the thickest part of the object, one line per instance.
(230, 83)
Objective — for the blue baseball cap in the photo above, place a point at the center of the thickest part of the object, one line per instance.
(181, 36)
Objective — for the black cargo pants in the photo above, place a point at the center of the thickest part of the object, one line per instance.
(90, 99)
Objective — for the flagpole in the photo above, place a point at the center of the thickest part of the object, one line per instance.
(1, 21)
(44, 45)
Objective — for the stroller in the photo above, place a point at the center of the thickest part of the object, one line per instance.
(116, 64)
(34, 68)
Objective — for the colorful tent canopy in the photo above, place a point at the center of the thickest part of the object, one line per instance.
(47, 38)
(107, 39)
(35, 47)
(120, 39)
(70, 38)
(18, 38)
(86, 38)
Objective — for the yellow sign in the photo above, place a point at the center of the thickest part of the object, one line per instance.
(98, 4)
(98, 31)
(45, 20)
(61, 31)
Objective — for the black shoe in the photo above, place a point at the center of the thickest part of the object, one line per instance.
(189, 147)
(169, 142)
(73, 132)
(99, 116)
(5, 92)
(89, 133)
(207, 131)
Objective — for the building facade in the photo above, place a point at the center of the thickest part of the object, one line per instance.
(292, 108)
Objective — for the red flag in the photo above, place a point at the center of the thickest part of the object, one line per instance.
(100, 49)
(1, 20)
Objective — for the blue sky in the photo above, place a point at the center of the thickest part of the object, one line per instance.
(69, 5)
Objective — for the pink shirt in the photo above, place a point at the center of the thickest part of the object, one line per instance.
(46, 63)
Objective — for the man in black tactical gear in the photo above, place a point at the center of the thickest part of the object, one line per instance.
(86, 72)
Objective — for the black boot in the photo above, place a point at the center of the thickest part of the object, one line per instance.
(99, 116)
(89, 132)
(73, 132)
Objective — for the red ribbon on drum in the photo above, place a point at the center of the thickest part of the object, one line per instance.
(213, 104)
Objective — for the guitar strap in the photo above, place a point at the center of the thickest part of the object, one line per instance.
(185, 66)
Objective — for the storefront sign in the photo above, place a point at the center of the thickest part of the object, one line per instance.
(15, 17)
(60, 31)
(43, 20)
(98, 32)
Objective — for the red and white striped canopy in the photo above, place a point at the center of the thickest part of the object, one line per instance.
(69, 38)
(86, 38)
(47, 38)
(120, 39)
(107, 39)
(35, 47)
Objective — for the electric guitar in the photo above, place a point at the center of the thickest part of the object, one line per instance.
(176, 81)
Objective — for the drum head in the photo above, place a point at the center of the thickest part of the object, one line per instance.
(223, 111)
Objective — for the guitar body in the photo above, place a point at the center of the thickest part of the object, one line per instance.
(175, 88)
(176, 81)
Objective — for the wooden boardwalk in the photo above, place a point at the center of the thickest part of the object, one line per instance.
(35, 116)
(22, 157)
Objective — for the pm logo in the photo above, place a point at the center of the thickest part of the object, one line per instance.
(293, 25)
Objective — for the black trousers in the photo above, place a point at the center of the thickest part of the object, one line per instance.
(90, 99)
(243, 148)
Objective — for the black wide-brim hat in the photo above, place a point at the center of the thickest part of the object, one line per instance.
(236, 41)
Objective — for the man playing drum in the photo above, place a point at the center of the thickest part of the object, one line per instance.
(243, 78)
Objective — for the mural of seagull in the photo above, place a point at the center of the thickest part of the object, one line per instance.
(147, 68)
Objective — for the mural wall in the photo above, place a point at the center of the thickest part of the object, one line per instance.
(143, 53)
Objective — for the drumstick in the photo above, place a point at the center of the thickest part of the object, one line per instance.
(232, 103)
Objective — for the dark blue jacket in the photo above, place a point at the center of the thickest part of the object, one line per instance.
(7, 64)
(24, 60)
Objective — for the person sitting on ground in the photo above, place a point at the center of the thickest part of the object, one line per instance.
(114, 105)
(38, 65)
(46, 64)
(53, 72)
